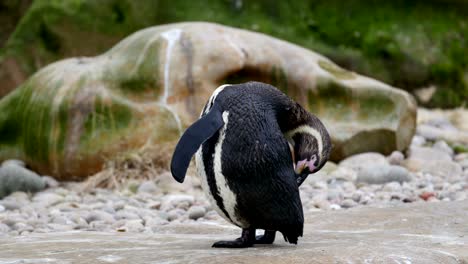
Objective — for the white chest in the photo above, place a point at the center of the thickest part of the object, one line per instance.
(228, 197)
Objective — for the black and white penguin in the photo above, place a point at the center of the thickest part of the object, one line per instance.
(244, 160)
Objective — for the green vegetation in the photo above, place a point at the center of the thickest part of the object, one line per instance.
(460, 148)
(336, 102)
(25, 122)
(336, 71)
(409, 44)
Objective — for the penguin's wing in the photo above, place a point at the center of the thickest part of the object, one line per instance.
(192, 139)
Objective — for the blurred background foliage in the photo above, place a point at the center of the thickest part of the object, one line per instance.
(409, 44)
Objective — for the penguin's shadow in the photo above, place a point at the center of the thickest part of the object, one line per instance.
(260, 246)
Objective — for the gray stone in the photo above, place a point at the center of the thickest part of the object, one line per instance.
(320, 185)
(435, 133)
(443, 146)
(359, 161)
(21, 227)
(335, 196)
(14, 162)
(441, 122)
(98, 226)
(163, 215)
(396, 158)
(4, 228)
(196, 212)
(392, 187)
(380, 174)
(80, 222)
(99, 216)
(135, 225)
(328, 168)
(343, 173)
(428, 132)
(461, 156)
(175, 214)
(418, 141)
(356, 196)
(321, 203)
(61, 227)
(47, 199)
(147, 187)
(167, 184)
(16, 178)
(183, 205)
(436, 167)
(154, 222)
(348, 203)
(19, 196)
(428, 154)
(66, 206)
(383, 196)
(108, 209)
(432, 161)
(10, 204)
(124, 214)
(154, 205)
(119, 205)
(61, 219)
(2, 208)
(171, 201)
(459, 196)
(464, 164)
(96, 205)
(456, 187)
(348, 187)
(50, 182)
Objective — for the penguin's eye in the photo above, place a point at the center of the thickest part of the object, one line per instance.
(314, 160)
(317, 161)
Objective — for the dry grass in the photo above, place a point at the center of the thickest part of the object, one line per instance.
(145, 164)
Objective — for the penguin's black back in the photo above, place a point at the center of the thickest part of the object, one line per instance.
(256, 160)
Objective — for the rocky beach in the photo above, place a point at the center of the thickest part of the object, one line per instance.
(431, 171)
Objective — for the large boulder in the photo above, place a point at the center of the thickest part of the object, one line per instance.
(71, 116)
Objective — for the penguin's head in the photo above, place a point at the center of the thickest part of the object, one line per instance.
(311, 148)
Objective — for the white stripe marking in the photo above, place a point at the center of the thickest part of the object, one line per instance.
(213, 98)
(306, 129)
(229, 198)
(204, 182)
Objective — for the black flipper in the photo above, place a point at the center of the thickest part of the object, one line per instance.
(192, 139)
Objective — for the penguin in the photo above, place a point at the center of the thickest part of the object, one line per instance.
(254, 147)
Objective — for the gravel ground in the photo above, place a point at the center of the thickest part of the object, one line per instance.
(431, 171)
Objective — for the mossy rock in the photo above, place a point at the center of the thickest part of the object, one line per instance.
(72, 115)
(408, 44)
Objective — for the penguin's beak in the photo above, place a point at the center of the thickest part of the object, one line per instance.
(303, 164)
(301, 172)
(300, 166)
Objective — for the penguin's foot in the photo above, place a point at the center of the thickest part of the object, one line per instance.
(267, 238)
(246, 240)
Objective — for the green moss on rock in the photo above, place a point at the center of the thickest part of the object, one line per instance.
(335, 70)
(108, 121)
(409, 44)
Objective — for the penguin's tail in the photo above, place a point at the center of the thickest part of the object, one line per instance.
(292, 234)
